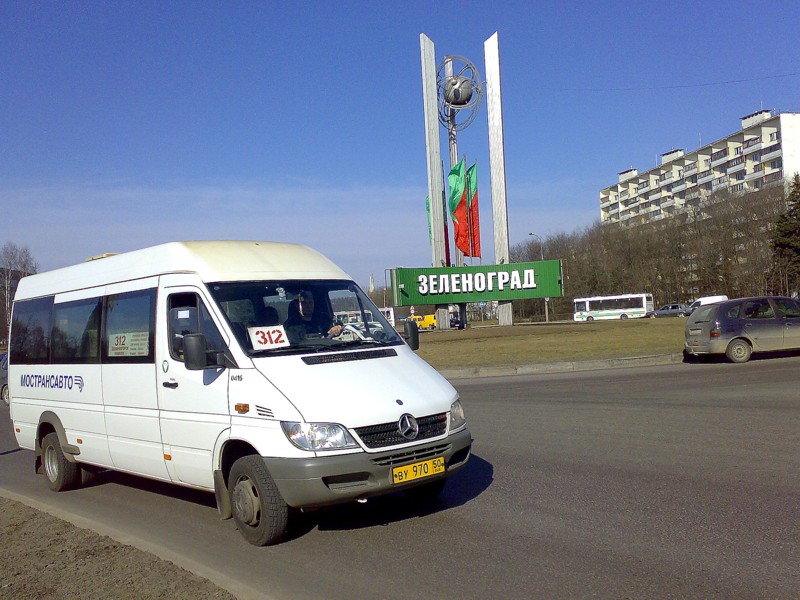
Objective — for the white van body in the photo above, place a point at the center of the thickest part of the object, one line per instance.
(105, 372)
(707, 300)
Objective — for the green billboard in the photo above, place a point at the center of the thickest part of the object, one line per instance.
(454, 285)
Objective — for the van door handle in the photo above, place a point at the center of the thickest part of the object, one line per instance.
(170, 384)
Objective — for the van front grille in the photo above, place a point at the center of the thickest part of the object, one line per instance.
(388, 434)
(414, 455)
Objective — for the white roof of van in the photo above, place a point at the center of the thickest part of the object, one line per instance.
(211, 260)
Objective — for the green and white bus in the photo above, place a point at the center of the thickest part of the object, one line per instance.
(624, 306)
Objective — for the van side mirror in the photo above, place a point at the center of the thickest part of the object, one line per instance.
(196, 356)
(194, 351)
(411, 335)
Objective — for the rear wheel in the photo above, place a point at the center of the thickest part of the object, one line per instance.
(738, 351)
(590, 318)
(60, 473)
(6, 396)
(623, 316)
(258, 508)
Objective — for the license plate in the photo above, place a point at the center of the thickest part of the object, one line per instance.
(426, 468)
(695, 331)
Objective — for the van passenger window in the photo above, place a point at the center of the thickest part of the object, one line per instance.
(188, 314)
(130, 327)
(789, 307)
(733, 311)
(76, 331)
(758, 309)
(30, 331)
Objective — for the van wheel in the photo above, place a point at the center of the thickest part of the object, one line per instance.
(738, 351)
(61, 474)
(6, 396)
(258, 508)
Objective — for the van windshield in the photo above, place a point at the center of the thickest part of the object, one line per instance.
(276, 317)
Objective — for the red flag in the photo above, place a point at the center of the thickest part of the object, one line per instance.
(473, 215)
(458, 206)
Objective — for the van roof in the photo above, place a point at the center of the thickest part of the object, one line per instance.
(211, 260)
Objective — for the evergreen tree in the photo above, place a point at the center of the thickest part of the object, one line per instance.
(786, 239)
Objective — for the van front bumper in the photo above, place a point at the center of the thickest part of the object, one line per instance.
(325, 480)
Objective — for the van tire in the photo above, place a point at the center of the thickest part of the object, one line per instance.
(258, 509)
(738, 351)
(6, 396)
(60, 474)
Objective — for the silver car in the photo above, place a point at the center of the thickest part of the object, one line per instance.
(737, 328)
(4, 379)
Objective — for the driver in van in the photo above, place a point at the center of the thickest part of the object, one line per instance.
(304, 320)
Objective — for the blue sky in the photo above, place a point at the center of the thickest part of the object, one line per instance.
(127, 124)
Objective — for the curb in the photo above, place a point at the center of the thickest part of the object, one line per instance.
(563, 367)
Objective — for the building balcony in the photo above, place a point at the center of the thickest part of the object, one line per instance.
(705, 176)
(751, 146)
(771, 152)
(734, 168)
(719, 182)
(689, 169)
(667, 202)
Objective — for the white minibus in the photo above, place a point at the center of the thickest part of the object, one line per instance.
(621, 306)
(219, 366)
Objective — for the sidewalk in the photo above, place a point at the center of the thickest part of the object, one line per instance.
(563, 367)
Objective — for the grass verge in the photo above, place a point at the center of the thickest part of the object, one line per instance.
(551, 342)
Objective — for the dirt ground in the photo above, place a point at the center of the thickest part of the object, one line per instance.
(44, 557)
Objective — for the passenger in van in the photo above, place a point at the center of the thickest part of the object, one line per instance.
(304, 320)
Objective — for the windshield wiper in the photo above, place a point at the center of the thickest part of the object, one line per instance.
(293, 348)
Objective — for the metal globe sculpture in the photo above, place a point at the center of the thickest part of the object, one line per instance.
(459, 94)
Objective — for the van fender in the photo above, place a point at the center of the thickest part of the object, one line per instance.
(49, 421)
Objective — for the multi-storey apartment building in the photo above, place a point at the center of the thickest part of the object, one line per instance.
(766, 151)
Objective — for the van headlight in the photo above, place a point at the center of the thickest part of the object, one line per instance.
(457, 418)
(318, 436)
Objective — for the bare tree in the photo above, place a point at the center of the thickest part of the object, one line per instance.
(15, 262)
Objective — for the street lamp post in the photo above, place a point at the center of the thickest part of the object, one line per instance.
(546, 300)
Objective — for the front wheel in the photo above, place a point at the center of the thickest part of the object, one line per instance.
(590, 318)
(623, 316)
(60, 473)
(738, 351)
(6, 396)
(258, 508)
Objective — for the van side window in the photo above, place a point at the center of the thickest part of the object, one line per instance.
(130, 327)
(30, 331)
(733, 311)
(758, 309)
(76, 332)
(188, 314)
(789, 308)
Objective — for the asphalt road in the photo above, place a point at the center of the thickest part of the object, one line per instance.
(676, 481)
